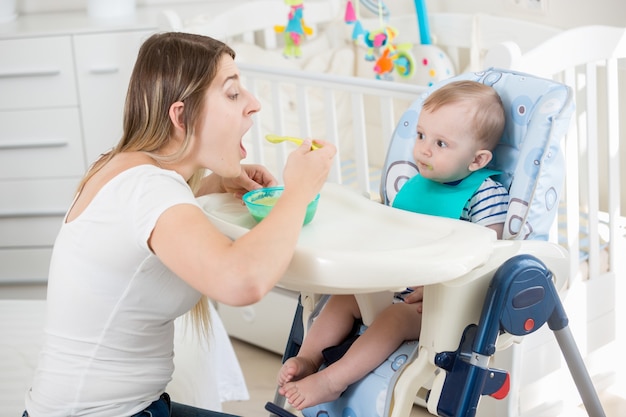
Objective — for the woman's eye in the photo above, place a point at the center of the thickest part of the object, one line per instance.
(233, 96)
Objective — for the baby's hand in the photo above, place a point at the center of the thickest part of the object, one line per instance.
(416, 297)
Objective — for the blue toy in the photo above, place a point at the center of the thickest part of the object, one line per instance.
(432, 63)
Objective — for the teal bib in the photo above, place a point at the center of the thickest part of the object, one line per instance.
(425, 196)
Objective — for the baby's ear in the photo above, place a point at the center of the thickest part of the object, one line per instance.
(481, 159)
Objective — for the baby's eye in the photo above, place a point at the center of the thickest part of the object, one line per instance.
(442, 144)
(420, 136)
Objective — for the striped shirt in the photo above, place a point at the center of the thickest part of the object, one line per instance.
(488, 205)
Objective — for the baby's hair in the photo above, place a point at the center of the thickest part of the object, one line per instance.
(486, 106)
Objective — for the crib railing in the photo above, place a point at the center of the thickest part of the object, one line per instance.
(358, 115)
(595, 68)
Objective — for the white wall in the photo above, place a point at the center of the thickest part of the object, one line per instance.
(561, 13)
(38, 6)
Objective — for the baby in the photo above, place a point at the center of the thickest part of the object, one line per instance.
(459, 126)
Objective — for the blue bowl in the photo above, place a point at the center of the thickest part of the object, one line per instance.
(260, 202)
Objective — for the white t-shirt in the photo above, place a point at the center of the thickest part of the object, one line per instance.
(108, 347)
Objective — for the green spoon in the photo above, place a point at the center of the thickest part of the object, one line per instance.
(279, 139)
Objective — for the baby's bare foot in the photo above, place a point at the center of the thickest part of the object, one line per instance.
(314, 389)
(295, 368)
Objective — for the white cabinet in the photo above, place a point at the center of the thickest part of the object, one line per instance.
(104, 62)
(61, 105)
(37, 73)
(41, 151)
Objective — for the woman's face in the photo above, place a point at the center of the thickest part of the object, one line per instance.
(227, 116)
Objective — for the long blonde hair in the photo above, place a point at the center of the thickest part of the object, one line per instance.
(170, 67)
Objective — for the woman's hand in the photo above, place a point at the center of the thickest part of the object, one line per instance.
(251, 178)
(306, 170)
(416, 297)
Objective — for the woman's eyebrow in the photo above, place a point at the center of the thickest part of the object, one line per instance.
(234, 77)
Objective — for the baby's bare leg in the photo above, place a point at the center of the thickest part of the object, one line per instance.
(397, 323)
(330, 328)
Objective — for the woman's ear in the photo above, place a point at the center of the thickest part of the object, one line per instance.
(481, 159)
(176, 115)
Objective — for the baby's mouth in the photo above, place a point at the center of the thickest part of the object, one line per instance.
(425, 166)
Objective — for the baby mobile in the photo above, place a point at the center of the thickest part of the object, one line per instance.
(386, 55)
(424, 63)
(295, 30)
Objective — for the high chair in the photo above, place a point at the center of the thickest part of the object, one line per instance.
(481, 295)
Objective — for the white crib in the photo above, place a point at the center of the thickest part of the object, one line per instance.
(331, 93)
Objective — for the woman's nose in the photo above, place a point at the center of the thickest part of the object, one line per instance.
(254, 105)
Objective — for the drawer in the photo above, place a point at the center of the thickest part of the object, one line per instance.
(26, 232)
(41, 143)
(266, 324)
(104, 63)
(31, 211)
(24, 266)
(37, 73)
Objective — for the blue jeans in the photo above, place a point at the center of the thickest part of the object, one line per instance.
(163, 407)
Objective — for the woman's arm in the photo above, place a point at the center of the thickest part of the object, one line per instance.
(241, 272)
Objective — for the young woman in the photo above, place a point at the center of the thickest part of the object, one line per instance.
(135, 250)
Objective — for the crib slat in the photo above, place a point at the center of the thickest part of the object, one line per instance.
(332, 134)
(613, 189)
(572, 206)
(304, 118)
(592, 168)
(360, 142)
(387, 120)
(280, 150)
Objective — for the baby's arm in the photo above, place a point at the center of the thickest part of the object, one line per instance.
(499, 228)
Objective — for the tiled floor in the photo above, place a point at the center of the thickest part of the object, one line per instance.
(260, 368)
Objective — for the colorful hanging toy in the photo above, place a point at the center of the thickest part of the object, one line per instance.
(387, 56)
(295, 30)
(425, 62)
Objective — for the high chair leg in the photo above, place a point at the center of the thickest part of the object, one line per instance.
(579, 372)
(520, 299)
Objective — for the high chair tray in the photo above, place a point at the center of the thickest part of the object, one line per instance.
(356, 245)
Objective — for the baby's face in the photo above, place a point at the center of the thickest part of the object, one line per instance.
(445, 146)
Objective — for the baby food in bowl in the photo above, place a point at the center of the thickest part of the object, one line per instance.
(261, 201)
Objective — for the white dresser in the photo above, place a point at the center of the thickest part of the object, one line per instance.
(63, 80)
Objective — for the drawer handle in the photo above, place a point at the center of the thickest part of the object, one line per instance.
(30, 73)
(104, 70)
(31, 213)
(33, 143)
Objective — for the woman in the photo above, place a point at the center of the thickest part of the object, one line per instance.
(135, 250)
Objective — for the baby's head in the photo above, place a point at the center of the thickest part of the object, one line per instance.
(486, 119)
(459, 125)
